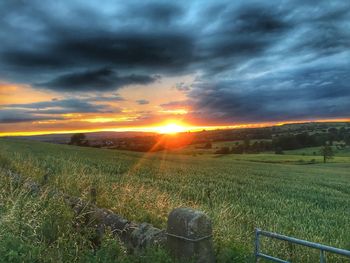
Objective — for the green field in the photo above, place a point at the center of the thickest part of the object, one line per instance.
(284, 158)
(239, 192)
(311, 151)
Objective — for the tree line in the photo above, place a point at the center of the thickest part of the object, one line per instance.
(283, 142)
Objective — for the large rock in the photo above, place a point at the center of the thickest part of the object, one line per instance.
(145, 235)
(189, 235)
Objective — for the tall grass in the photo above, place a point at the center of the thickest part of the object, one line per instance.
(307, 201)
(42, 228)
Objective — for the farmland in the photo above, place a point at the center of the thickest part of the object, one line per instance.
(286, 193)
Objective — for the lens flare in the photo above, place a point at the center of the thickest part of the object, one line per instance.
(171, 128)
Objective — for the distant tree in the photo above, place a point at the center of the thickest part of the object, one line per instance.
(327, 152)
(342, 133)
(208, 145)
(305, 140)
(279, 150)
(287, 142)
(246, 144)
(333, 130)
(347, 139)
(239, 149)
(78, 139)
(223, 150)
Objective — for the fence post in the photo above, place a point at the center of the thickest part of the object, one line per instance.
(189, 235)
(322, 257)
(257, 245)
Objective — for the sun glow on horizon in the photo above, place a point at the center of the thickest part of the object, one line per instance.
(171, 128)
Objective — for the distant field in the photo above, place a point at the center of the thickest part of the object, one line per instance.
(239, 192)
(284, 158)
(316, 151)
(299, 156)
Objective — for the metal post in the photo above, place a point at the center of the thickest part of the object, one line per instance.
(257, 245)
(323, 248)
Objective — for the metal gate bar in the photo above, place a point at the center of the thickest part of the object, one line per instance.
(322, 248)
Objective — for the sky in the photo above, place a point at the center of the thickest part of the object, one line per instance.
(122, 65)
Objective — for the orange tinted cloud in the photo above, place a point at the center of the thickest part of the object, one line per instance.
(16, 93)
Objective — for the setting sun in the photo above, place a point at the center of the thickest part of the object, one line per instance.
(171, 128)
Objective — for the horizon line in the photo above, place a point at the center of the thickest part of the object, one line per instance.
(153, 129)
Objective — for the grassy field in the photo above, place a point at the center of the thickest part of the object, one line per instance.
(305, 154)
(312, 151)
(239, 192)
(284, 158)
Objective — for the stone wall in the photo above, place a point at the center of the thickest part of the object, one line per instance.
(188, 235)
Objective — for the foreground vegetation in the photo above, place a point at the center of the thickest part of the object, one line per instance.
(42, 228)
(35, 228)
(238, 193)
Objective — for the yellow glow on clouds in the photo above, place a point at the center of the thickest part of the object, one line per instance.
(175, 111)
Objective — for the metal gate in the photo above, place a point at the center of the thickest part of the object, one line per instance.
(322, 248)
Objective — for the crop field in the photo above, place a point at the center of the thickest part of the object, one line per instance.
(238, 192)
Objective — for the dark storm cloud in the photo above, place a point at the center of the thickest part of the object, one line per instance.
(133, 36)
(40, 46)
(254, 60)
(102, 79)
(242, 33)
(15, 116)
(63, 106)
(153, 12)
(53, 110)
(306, 94)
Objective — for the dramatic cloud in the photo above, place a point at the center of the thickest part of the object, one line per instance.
(57, 106)
(15, 116)
(102, 80)
(302, 94)
(251, 60)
